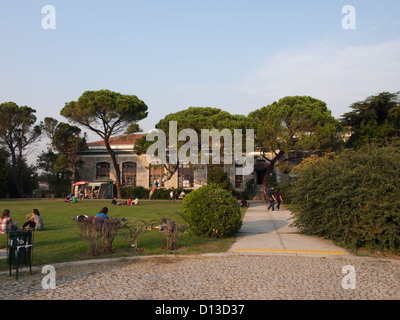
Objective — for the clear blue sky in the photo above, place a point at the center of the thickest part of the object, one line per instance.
(234, 55)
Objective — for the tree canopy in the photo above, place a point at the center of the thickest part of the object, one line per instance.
(197, 119)
(66, 140)
(298, 123)
(374, 120)
(18, 132)
(107, 113)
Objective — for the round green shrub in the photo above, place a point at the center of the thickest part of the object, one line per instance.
(212, 211)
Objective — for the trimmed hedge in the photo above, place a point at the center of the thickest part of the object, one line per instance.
(135, 192)
(212, 211)
(352, 198)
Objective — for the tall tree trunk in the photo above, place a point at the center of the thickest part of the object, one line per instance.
(116, 168)
(73, 178)
(18, 181)
(271, 167)
(16, 171)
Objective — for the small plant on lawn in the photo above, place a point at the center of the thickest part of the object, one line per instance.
(170, 232)
(99, 234)
(137, 228)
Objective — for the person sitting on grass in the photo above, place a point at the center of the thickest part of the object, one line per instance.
(102, 215)
(115, 203)
(35, 221)
(6, 223)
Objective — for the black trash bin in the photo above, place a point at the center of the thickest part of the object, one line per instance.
(20, 249)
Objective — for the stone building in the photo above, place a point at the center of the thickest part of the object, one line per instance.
(136, 171)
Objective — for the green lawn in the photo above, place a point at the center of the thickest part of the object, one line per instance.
(60, 242)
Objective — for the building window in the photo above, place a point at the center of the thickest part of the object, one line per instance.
(102, 170)
(238, 178)
(156, 173)
(129, 174)
(185, 176)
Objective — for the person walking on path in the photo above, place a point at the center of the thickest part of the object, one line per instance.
(279, 199)
(270, 197)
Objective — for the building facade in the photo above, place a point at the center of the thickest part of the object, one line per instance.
(136, 171)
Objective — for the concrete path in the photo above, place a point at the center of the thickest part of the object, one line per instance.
(270, 232)
(3, 254)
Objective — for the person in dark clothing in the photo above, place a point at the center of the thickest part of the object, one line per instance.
(278, 199)
(270, 197)
(30, 224)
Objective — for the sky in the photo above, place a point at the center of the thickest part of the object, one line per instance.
(234, 55)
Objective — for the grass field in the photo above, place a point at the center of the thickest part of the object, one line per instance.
(60, 242)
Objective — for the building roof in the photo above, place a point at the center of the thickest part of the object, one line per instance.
(122, 140)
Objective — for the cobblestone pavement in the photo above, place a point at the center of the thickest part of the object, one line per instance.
(213, 277)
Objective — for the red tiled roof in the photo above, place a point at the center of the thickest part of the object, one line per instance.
(131, 139)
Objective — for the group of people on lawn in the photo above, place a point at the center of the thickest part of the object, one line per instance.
(71, 198)
(172, 195)
(128, 202)
(33, 221)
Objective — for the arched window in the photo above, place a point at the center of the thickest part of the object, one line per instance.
(185, 176)
(156, 173)
(238, 177)
(129, 173)
(102, 170)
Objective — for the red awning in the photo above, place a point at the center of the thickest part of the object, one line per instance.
(80, 183)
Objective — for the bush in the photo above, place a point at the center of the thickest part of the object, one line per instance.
(248, 192)
(219, 177)
(212, 211)
(135, 192)
(352, 198)
(286, 189)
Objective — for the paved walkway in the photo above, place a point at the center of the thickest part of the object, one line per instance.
(3, 254)
(268, 261)
(270, 232)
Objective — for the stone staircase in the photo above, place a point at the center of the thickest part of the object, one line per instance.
(258, 192)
